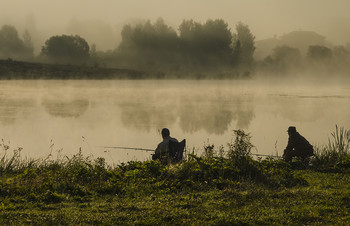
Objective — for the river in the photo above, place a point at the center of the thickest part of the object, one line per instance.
(61, 117)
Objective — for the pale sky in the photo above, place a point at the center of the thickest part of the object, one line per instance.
(99, 19)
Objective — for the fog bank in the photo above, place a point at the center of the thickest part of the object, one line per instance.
(96, 19)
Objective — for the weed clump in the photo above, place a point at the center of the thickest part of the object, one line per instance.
(222, 168)
(336, 154)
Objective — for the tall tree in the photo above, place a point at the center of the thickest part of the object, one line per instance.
(27, 40)
(11, 46)
(190, 36)
(243, 43)
(217, 38)
(207, 44)
(148, 45)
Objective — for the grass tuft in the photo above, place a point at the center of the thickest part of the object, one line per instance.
(336, 154)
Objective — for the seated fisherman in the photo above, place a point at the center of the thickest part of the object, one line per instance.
(297, 146)
(162, 150)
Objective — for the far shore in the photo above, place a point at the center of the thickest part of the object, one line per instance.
(11, 69)
(21, 70)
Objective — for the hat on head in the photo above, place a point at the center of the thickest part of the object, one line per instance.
(292, 129)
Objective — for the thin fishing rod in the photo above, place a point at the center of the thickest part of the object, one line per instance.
(146, 149)
(273, 156)
(127, 148)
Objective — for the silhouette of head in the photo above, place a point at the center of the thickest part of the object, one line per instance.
(165, 132)
(291, 130)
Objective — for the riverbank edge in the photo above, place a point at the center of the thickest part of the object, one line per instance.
(21, 70)
(189, 193)
(11, 69)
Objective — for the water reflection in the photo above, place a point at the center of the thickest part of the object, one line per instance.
(129, 112)
(144, 116)
(213, 119)
(10, 108)
(64, 109)
(244, 114)
(214, 115)
(301, 109)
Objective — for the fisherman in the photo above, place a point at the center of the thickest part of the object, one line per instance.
(297, 146)
(162, 150)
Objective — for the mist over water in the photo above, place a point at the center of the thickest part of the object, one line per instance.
(88, 114)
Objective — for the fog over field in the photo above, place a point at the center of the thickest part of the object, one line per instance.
(101, 22)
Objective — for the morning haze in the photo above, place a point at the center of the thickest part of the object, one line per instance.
(181, 112)
(98, 70)
(100, 22)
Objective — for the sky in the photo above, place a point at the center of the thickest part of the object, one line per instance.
(100, 21)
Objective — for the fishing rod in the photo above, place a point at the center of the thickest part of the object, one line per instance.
(147, 149)
(127, 148)
(273, 156)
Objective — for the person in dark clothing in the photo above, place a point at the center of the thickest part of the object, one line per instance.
(162, 150)
(297, 146)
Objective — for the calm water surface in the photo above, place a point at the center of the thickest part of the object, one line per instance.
(46, 117)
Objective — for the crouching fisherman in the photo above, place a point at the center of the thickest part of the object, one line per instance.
(170, 150)
(297, 146)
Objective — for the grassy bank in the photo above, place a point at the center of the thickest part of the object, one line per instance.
(220, 187)
(325, 200)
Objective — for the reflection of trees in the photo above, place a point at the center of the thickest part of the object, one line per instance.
(243, 110)
(211, 118)
(144, 116)
(59, 108)
(214, 115)
(9, 108)
(244, 117)
(303, 108)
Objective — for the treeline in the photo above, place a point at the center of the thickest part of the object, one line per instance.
(193, 49)
(154, 47)
(318, 61)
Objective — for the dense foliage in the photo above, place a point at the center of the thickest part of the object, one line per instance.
(66, 49)
(197, 47)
